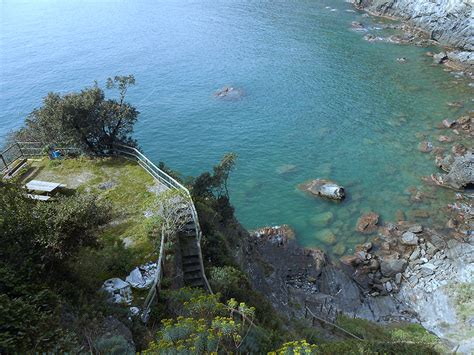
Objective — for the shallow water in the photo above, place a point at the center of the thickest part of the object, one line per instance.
(319, 100)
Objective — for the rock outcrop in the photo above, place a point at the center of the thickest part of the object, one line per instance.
(324, 188)
(448, 21)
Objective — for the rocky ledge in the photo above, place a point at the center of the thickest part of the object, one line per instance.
(448, 21)
(292, 277)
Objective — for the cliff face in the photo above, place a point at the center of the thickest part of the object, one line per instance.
(451, 22)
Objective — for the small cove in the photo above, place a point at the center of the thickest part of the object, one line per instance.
(319, 101)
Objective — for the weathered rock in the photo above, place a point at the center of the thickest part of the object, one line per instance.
(439, 58)
(351, 260)
(448, 124)
(447, 22)
(417, 228)
(367, 223)
(409, 238)
(276, 234)
(415, 254)
(118, 291)
(425, 147)
(339, 249)
(445, 139)
(357, 25)
(322, 219)
(326, 236)
(398, 278)
(461, 173)
(229, 93)
(324, 188)
(390, 267)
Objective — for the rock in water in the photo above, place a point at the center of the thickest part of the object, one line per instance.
(229, 93)
(322, 219)
(440, 57)
(324, 188)
(367, 223)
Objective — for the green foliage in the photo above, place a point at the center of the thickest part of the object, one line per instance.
(464, 299)
(70, 223)
(295, 347)
(115, 345)
(206, 326)
(215, 185)
(38, 243)
(227, 280)
(86, 119)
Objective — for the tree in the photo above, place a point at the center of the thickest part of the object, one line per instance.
(86, 120)
(215, 185)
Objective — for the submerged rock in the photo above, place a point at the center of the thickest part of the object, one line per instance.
(367, 223)
(425, 147)
(324, 188)
(322, 219)
(229, 92)
(286, 169)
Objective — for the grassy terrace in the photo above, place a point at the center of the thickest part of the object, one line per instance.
(129, 189)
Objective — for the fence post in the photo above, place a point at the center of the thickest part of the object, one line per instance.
(19, 148)
(3, 160)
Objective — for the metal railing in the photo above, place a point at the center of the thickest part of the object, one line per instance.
(26, 150)
(135, 155)
(22, 150)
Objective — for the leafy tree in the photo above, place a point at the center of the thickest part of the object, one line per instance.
(37, 240)
(215, 185)
(85, 120)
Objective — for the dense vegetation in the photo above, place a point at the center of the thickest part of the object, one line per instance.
(53, 256)
(86, 120)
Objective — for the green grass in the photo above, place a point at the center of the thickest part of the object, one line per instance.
(129, 194)
(394, 332)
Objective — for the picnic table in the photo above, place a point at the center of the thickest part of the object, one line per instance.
(45, 186)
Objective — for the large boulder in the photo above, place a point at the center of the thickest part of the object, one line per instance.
(391, 266)
(324, 188)
(367, 223)
(461, 173)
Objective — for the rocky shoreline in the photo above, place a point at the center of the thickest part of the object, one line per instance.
(448, 22)
(409, 272)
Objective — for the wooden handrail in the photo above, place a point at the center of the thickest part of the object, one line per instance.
(333, 325)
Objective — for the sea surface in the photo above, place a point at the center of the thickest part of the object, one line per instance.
(318, 100)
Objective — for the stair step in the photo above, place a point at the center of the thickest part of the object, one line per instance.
(188, 233)
(191, 260)
(186, 252)
(192, 267)
(192, 278)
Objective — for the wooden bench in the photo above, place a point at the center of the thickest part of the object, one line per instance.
(39, 197)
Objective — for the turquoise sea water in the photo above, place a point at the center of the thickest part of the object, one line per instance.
(317, 97)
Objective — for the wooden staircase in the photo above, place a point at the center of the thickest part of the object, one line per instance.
(190, 251)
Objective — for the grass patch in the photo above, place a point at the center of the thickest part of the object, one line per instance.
(401, 332)
(126, 185)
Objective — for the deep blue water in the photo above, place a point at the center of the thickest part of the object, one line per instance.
(317, 96)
